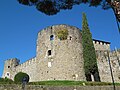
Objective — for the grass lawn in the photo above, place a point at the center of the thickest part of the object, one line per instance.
(70, 83)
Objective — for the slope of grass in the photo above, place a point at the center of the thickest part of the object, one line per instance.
(70, 83)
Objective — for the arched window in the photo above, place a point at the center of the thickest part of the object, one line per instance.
(49, 52)
(51, 37)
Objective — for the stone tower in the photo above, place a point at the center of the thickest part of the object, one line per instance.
(9, 67)
(60, 59)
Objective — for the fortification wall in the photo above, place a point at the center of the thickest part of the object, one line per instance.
(100, 45)
(58, 59)
(12, 68)
(104, 67)
(28, 67)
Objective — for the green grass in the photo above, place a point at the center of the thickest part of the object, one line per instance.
(56, 83)
(70, 83)
(60, 83)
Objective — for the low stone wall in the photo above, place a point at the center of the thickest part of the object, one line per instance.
(39, 87)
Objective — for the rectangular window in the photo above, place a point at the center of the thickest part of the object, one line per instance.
(51, 37)
(49, 52)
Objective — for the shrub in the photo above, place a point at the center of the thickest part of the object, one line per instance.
(20, 77)
(5, 81)
(62, 33)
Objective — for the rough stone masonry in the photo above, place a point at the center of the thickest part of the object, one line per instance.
(58, 59)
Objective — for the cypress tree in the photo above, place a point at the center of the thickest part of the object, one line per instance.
(90, 61)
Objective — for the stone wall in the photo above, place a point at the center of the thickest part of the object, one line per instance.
(104, 67)
(63, 59)
(9, 67)
(38, 87)
(28, 67)
(101, 45)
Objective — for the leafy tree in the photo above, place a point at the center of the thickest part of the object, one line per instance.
(90, 62)
(52, 7)
(19, 77)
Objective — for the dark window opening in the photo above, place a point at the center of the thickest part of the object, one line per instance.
(51, 27)
(49, 52)
(16, 65)
(47, 71)
(8, 66)
(51, 37)
(7, 74)
(70, 38)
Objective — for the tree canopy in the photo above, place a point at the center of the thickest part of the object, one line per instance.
(52, 7)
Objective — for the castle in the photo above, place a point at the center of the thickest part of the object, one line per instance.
(58, 59)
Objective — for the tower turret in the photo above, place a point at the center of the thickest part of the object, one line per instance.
(9, 67)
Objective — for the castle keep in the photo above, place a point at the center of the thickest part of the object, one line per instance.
(61, 57)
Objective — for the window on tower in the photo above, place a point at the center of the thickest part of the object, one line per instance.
(8, 66)
(49, 52)
(70, 38)
(51, 37)
(7, 74)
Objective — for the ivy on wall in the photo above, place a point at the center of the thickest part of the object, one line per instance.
(62, 33)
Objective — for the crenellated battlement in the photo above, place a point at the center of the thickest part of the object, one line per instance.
(101, 45)
(29, 62)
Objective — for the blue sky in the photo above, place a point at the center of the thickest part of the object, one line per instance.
(20, 24)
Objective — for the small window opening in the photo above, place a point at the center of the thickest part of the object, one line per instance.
(51, 37)
(49, 52)
(51, 27)
(8, 74)
(8, 66)
(16, 65)
(70, 38)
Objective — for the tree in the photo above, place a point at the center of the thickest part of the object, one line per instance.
(19, 77)
(90, 62)
(52, 7)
